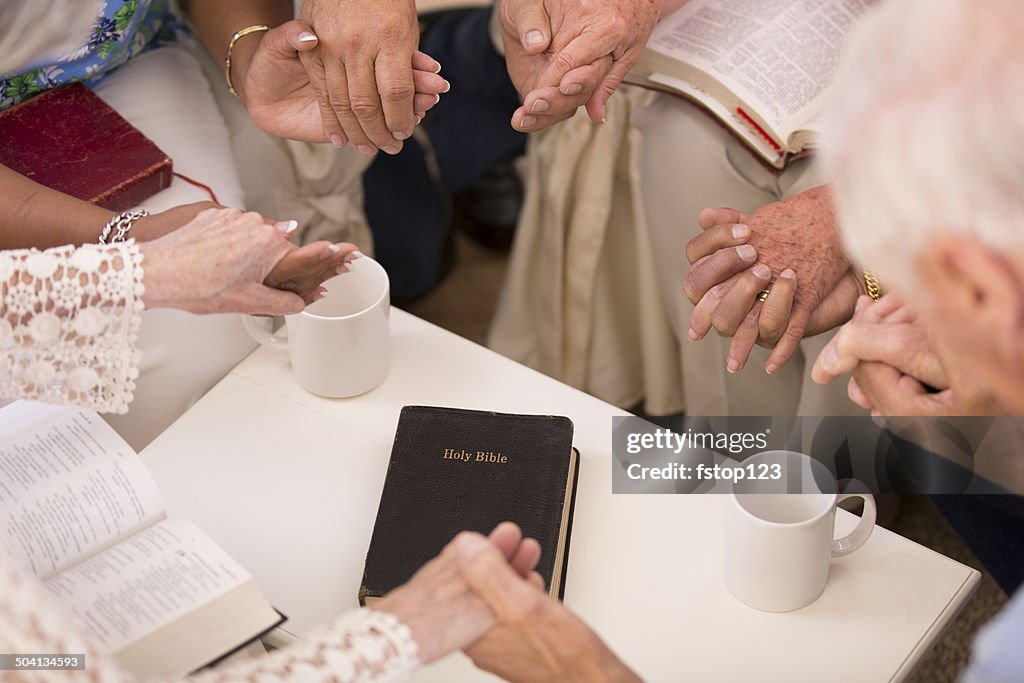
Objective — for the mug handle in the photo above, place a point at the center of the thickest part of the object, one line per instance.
(859, 536)
(264, 336)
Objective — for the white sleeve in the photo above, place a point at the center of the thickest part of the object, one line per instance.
(68, 324)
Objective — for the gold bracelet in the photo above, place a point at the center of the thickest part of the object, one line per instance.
(873, 286)
(248, 30)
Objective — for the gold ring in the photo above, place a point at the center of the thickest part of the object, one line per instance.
(763, 294)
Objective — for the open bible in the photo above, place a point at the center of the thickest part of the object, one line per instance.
(80, 510)
(761, 67)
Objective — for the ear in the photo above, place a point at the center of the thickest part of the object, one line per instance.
(968, 283)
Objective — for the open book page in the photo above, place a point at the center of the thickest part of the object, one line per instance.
(69, 486)
(777, 56)
(148, 581)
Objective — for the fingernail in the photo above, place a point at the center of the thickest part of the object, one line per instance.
(692, 335)
(307, 37)
(540, 106)
(573, 89)
(447, 86)
(534, 38)
(285, 227)
(438, 69)
(393, 149)
(771, 368)
(342, 269)
(732, 366)
(321, 293)
(740, 232)
(354, 255)
(762, 271)
(419, 119)
(830, 359)
(366, 150)
(528, 121)
(335, 248)
(788, 274)
(437, 98)
(746, 252)
(337, 140)
(401, 135)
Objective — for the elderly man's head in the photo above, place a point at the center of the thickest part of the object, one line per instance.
(926, 150)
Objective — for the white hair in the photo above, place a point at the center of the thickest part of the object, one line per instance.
(32, 31)
(925, 132)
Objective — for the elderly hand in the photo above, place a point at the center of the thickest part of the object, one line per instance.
(536, 638)
(218, 262)
(281, 79)
(883, 332)
(563, 54)
(441, 606)
(362, 70)
(895, 367)
(799, 234)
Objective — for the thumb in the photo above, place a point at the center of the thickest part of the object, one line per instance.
(533, 25)
(291, 37)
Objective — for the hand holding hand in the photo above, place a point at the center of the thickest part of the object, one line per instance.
(218, 262)
(896, 368)
(361, 70)
(799, 235)
(289, 90)
(563, 54)
(535, 637)
(439, 604)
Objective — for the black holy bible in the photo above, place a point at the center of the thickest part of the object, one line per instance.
(453, 470)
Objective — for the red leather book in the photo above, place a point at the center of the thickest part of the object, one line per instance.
(70, 140)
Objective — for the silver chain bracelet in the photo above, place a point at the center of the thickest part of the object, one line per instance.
(117, 227)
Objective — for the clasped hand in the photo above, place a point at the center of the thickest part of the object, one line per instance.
(228, 261)
(340, 75)
(789, 249)
(564, 54)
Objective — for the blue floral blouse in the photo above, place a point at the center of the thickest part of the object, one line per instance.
(123, 29)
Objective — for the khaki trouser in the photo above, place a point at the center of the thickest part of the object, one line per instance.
(594, 293)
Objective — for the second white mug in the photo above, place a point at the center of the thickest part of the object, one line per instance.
(340, 346)
(779, 546)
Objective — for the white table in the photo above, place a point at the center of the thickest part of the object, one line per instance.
(289, 483)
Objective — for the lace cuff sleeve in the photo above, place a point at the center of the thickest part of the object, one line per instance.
(362, 646)
(68, 324)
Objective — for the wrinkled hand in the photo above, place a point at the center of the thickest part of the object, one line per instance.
(897, 370)
(883, 332)
(536, 638)
(285, 99)
(217, 263)
(361, 70)
(563, 54)
(439, 603)
(798, 234)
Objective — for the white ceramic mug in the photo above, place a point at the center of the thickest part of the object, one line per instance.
(340, 346)
(778, 546)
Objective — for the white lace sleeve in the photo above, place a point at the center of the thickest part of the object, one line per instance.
(362, 646)
(68, 324)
